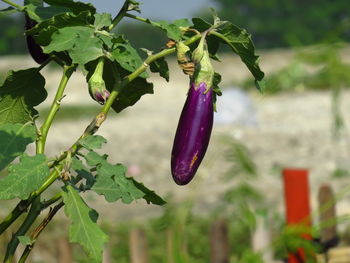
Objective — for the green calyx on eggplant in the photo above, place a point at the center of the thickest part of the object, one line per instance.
(34, 49)
(196, 120)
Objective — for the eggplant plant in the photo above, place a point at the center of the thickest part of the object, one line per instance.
(74, 36)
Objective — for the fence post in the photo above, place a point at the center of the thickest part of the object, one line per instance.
(327, 213)
(296, 195)
(138, 246)
(219, 242)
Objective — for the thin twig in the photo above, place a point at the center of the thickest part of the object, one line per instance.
(36, 232)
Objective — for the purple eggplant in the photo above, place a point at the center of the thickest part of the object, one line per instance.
(192, 134)
(34, 49)
(196, 120)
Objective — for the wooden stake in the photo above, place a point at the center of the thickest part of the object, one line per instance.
(219, 242)
(138, 246)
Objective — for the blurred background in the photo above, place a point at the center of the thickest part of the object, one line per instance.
(300, 121)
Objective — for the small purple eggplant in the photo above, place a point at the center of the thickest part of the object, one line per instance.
(196, 120)
(34, 49)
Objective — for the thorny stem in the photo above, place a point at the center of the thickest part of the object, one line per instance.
(90, 130)
(141, 19)
(21, 8)
(120, 15)
(36, 232)
(29, 220)
(40, 144)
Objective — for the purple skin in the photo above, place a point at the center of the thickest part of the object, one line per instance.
(34, 49)
(192, 134)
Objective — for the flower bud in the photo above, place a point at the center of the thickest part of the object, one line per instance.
(97, 87)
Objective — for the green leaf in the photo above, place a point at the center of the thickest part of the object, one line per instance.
(83, 171)
(112, 183)
(43, 31)
(25, 240)
(240, 42)
(200, 24)
(84, 229)
(236, 38)
(106, 37)
(21, 91)
(75, 7)
(150, 196)
(161, 66)
(79, 41)
(127, 57)
(14, 139)
(92, 142)
(182, 23)
(173, 31)
(102, 20)
(24, 177)
(131, 93)
(40, 13)
(93, 158)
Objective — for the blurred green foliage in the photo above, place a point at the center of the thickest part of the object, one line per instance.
(12, 40)
(272, 23)
(281, 23)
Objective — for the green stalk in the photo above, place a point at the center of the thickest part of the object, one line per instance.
(120, 15)
(29, 220)
(20, 8)
(36, 232)
(141, 19)
(40, 144)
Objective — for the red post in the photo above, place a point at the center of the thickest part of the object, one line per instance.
(296, 195)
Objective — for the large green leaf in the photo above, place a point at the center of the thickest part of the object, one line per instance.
(14, 139)
(127, 57)
(84, 229)
(75, 7)
(43, 31)
(40, 13)
(112, 183)
(173, 30)
(131, 93)
(21, 91)
(79, 41)
(237, 39)
(240, 42)
(24, 177)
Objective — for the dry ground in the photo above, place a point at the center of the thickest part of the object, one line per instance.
(292, 130)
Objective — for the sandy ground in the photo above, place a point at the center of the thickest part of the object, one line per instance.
(291, 130)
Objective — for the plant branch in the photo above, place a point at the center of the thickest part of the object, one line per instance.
(90, 130)
(29, 220)
(40, 144)
(21, 8)
(141, 19)
(120, 15)
(36, 232)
